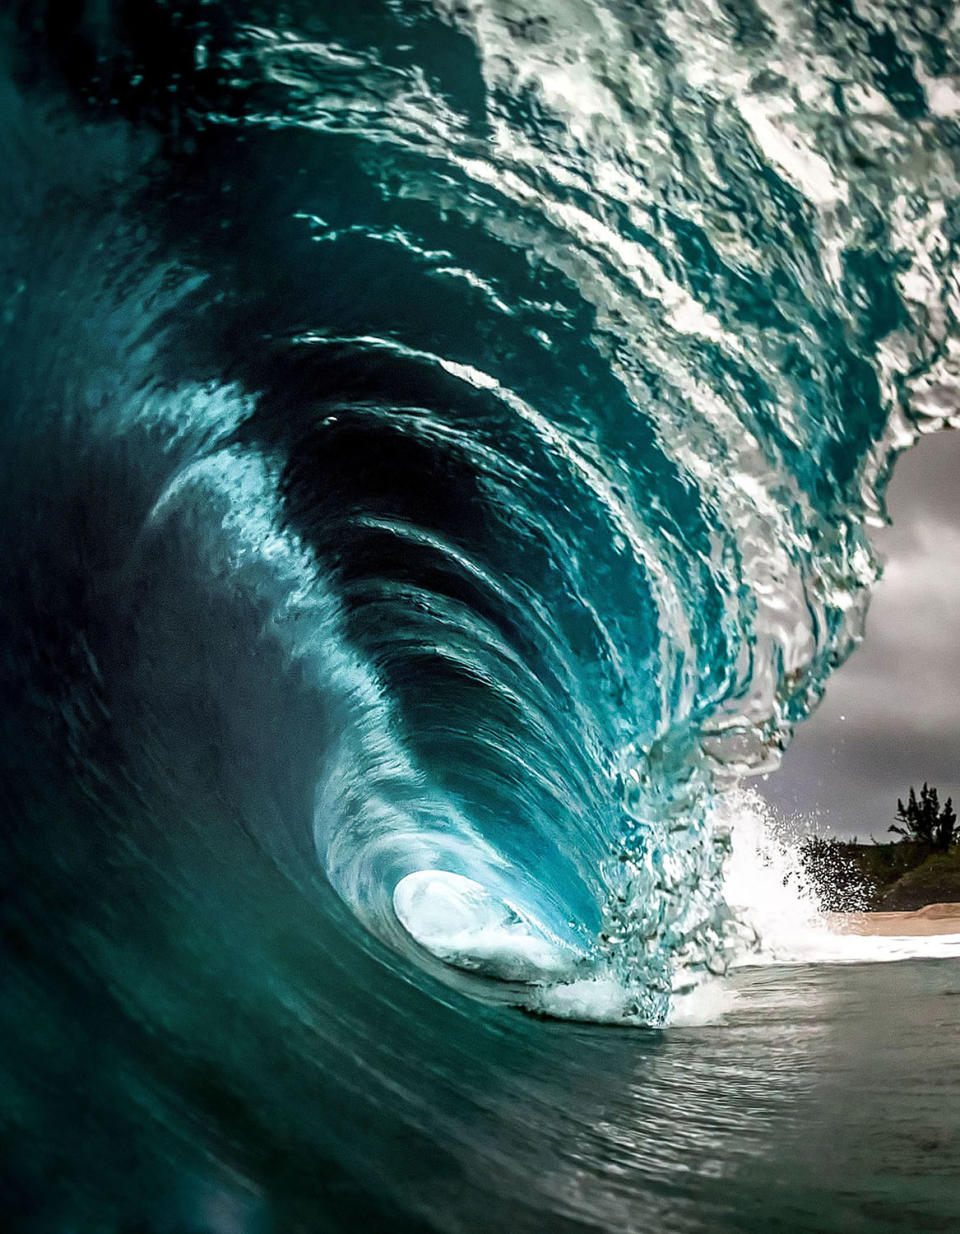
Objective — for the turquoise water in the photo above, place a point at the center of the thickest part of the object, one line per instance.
(438, 446)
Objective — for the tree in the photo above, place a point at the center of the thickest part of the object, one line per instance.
(924, 822)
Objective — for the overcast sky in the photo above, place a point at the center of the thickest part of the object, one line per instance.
(891, 714)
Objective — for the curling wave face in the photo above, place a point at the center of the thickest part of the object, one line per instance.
(439, 441)
(574, 348)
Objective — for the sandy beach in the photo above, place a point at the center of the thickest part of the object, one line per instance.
(924, 922)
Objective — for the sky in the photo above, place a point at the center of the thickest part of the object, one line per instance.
(891, 715)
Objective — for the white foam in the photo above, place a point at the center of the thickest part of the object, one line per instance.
(831, 947)
(462, 923)
(767, 892)
(604, 1000)
(764, 884)
(703, 1004)
(600, 1000)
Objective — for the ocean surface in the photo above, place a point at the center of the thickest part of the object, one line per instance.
(438, 446)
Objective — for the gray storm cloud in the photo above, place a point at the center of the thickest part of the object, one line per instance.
(891, 714)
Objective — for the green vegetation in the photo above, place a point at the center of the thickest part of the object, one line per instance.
(922, 868)
(924, 822)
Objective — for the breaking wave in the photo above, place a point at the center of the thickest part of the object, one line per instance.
(438, 444)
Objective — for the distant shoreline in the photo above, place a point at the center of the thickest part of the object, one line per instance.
(943, 918)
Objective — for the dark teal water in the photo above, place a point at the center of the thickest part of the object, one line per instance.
(437, 445)
(825, 1099)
